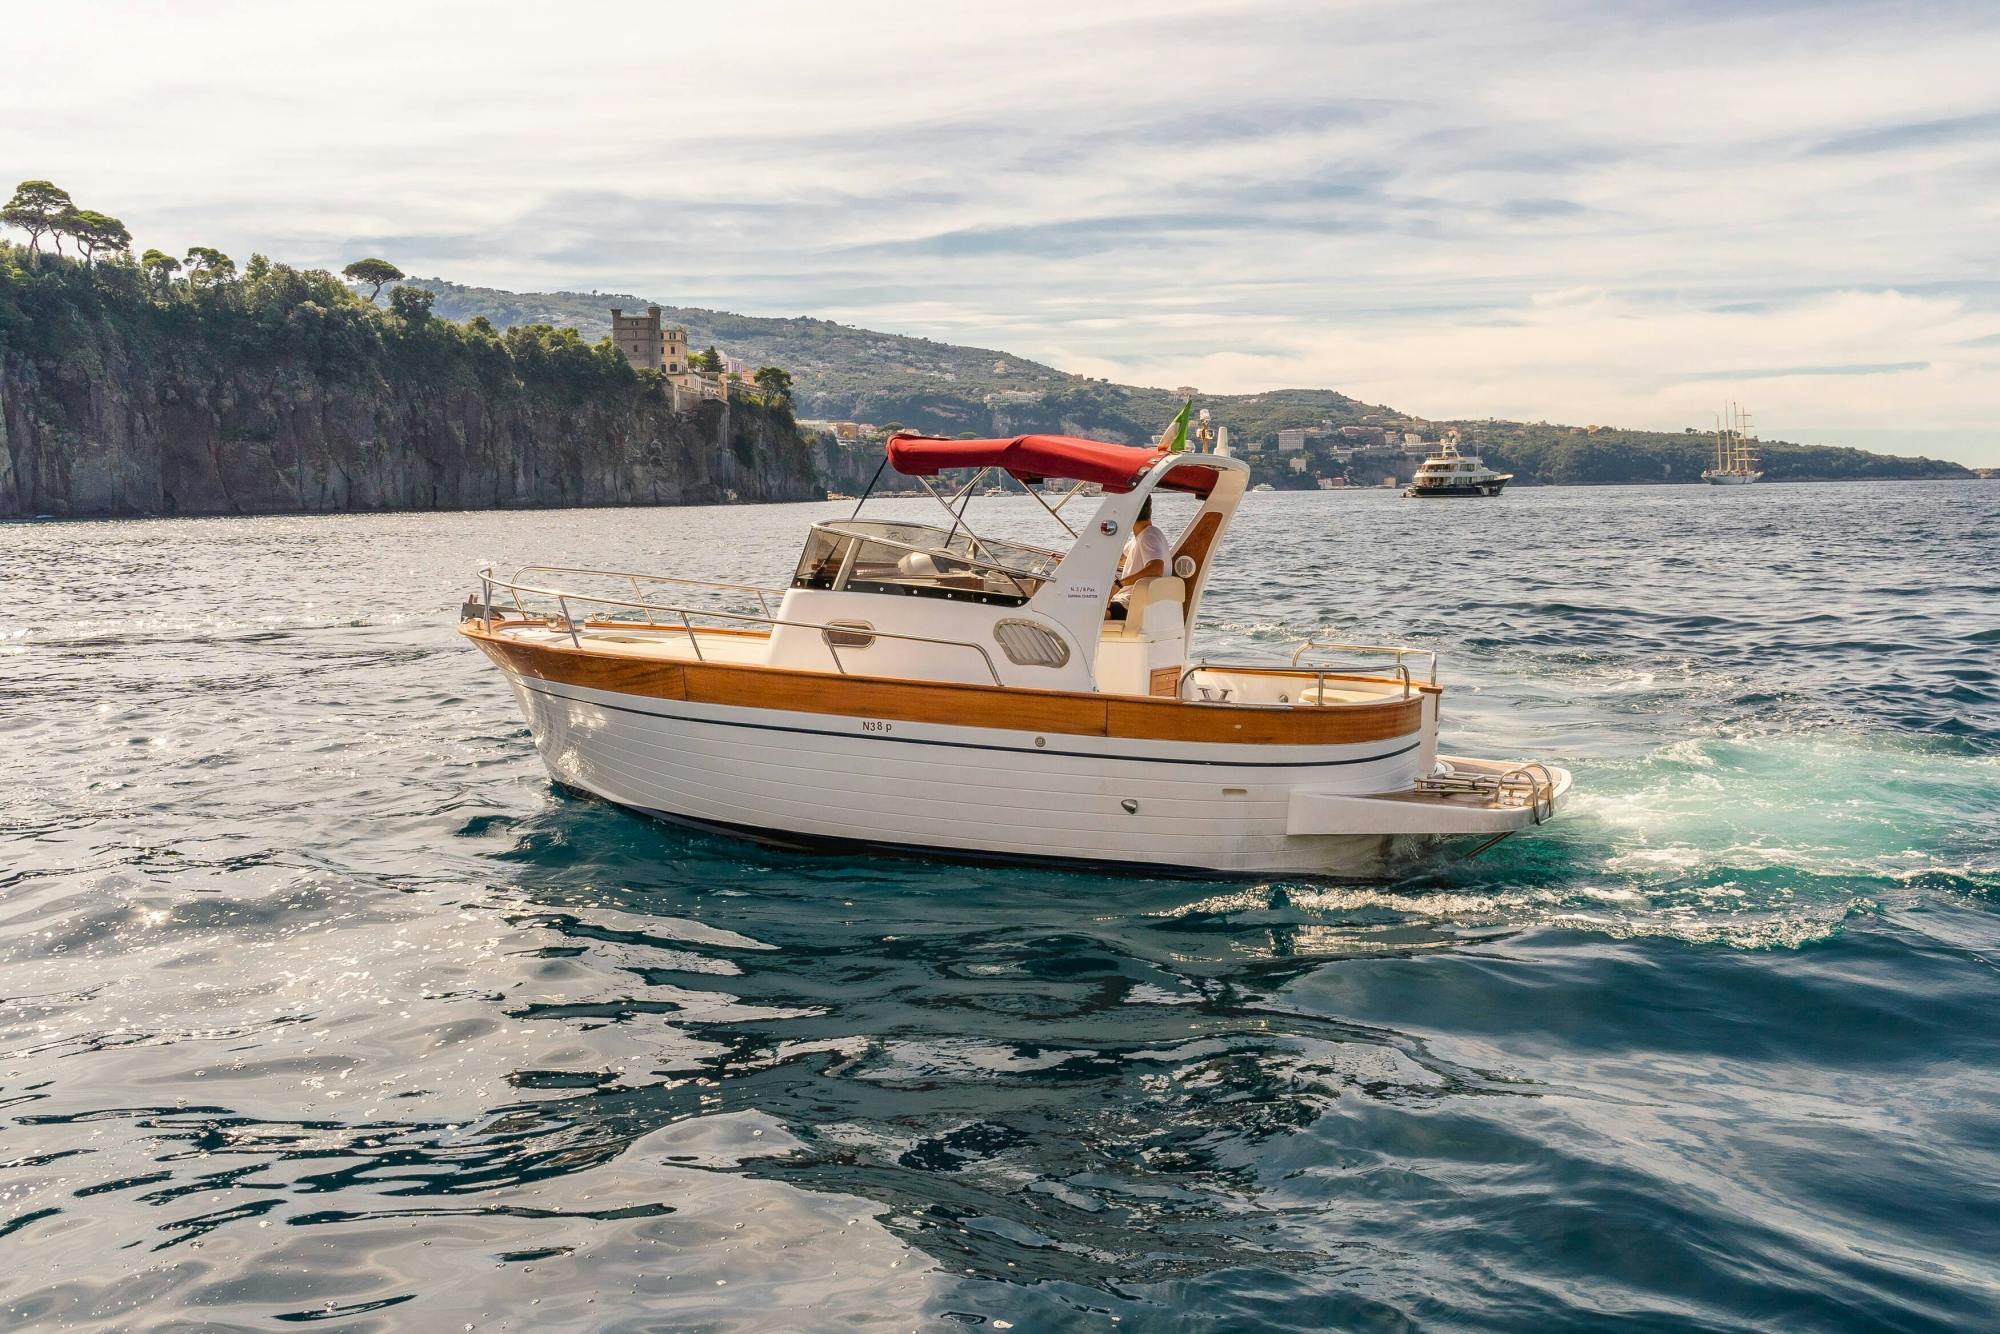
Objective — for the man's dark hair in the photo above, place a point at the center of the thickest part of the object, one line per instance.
(1146, 510)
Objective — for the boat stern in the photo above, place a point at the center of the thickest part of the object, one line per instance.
(1460, 796)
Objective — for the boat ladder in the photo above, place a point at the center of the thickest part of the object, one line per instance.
(1529, 785)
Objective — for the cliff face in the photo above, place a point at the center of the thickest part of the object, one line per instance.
(130, 439)
(118, 408)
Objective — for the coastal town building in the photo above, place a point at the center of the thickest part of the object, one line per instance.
(1291, 441)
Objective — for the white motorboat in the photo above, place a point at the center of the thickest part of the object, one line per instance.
(1450, 473)
(920, 688)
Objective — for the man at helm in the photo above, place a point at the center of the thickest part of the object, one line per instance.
(1146, 556)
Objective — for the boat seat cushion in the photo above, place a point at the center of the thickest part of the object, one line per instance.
(1153, 609)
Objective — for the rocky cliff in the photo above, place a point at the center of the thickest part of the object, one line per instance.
(117, 401)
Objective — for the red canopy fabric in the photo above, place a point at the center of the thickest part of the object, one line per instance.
(1030, 458)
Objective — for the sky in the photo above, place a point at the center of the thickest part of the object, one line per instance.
(1613, 213)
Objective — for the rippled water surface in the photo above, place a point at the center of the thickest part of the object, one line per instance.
(318, 1003)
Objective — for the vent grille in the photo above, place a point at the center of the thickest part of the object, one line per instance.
(1027, 644)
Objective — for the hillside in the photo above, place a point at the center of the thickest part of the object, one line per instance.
(845, 373)
(125, 392)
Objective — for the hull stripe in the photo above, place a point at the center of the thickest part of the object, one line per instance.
(969, 745)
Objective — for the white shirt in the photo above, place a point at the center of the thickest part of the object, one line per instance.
(1145, 548)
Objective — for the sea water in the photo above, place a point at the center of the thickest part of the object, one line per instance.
(320, 1003)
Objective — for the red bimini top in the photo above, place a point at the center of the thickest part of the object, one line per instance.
(1031, 458)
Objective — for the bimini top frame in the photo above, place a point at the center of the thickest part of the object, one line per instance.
(1029, 459)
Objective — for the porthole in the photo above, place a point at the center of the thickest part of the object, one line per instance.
(847, 634)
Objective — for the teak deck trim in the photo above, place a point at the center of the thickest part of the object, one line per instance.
(1014, 708)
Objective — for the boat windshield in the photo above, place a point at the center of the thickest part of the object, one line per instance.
(921, 560)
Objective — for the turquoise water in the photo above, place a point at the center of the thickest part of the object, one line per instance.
(318, 1003)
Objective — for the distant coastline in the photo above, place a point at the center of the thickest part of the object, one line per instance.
(13, 520)
(128, 391)
(865, 376)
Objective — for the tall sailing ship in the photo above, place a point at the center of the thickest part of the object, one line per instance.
(1735, 462)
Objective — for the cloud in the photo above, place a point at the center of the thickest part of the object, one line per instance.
(1923, 134)
(1550, 208)
(1788, 372)
(1611, 358)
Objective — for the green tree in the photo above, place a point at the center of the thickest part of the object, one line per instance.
(377, 273)
(96, 232)
(207, 265)
(37, 208)
(707, 360)
(411, 303)
(775, 383)
(160, 268)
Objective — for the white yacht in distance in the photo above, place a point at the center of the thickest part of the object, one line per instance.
(924, 688)
(1450, 473)
(1735, 461)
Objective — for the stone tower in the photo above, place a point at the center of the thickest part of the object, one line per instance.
(648, 345)
(638, 337)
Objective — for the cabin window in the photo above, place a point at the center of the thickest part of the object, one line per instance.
(820, 564)
(921, 560)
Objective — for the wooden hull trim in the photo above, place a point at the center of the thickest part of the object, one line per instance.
(1014, 709)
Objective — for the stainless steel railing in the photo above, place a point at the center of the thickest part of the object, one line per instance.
(1320, 677)
(1398, 651)
(762, 592)
(488, 582)
(1529, 785)
(1321, 673)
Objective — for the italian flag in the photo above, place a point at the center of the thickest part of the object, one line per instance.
(1174, 439)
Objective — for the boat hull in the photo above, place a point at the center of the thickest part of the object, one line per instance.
(1730, 478)
(975, 793)
(1476, 489)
